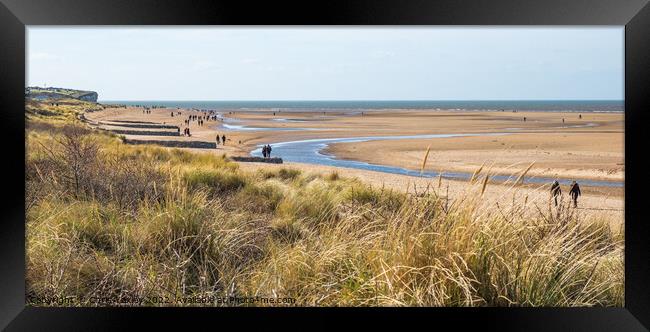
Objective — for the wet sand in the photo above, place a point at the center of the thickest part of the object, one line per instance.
(587, 155)
(587, 148)
(607, 203)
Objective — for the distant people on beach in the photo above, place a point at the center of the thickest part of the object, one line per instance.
(556, 191)
(218, 139)
(172, 113)
(187, 132)
(562, 120)
(524, 119)
(223, 139)
(266, 151)
(575, 192)
(579, 116)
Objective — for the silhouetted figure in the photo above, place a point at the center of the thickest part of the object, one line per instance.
(172, 113)
(268, 151)
(562, 120)
(223, 139)
(264, 152)
(556, 190)
(218, 140)
(524, 119)
(575, 192)
(579, 116)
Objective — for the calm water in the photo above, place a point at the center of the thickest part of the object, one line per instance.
(310, 152)
(315, 105)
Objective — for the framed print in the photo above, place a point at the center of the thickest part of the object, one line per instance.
(455, 162)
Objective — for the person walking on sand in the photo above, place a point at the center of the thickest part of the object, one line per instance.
(218, 140)
(555, 190)
(264, 152)
(575, 192)
(223, 139)
(268, 150)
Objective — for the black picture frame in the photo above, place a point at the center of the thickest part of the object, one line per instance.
(634, 15)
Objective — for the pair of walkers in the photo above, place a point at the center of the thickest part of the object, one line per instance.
(556, 192)
(266, 151)
(221, 139)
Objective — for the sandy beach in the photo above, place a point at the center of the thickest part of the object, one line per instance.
(590, 147)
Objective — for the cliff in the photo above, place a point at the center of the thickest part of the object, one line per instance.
(60, 93)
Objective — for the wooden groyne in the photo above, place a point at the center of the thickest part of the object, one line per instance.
(138, 125)
(274, 160)
(130, 121)
(142, 132)
(174, 144)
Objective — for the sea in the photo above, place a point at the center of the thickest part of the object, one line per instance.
(600, 106)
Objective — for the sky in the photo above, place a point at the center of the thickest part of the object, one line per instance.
(342, 63)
